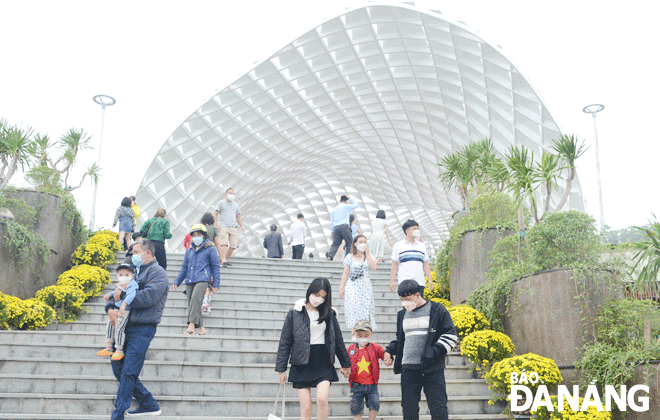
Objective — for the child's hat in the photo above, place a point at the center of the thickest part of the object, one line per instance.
(124, 266)
(362, 325)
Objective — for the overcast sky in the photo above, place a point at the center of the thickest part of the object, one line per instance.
(162, 60)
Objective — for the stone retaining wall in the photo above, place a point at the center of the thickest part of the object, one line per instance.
(23, 280)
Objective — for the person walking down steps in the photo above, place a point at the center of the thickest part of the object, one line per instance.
(310, 340)
(200, 269)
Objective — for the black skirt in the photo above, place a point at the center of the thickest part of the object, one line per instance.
(318, 369)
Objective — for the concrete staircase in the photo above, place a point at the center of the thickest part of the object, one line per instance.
(227, 374)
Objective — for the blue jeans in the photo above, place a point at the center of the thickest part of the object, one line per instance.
(127, 370)
(412, 382)
(360, 393)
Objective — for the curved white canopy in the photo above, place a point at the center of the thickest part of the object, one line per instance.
(367, 103)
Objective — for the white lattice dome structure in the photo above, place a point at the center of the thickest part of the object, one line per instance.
(367, 103)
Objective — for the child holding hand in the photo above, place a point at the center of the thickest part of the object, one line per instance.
(126, 288)
(365, 371)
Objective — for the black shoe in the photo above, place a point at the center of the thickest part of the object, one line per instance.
(153, 411)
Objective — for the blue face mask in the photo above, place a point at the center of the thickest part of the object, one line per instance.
(137, 260)
(197, 240)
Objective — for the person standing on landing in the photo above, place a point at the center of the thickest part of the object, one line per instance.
(298, 234)
(227, 219)
(339, 225)
(273, 243)
(425, 334)
(146, 312)
(311, 338)
(410, 259)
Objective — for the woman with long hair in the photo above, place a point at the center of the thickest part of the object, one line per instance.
(125, 216)
(356, 285)
(157, 230)
(310, 340)
(379, 232)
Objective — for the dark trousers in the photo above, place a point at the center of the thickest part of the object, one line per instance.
(412, 382)
(127, 370)
(161, 256)
(298, 251)
(341, 233)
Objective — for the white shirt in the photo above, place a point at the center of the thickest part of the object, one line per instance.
(298, 233)
(316, 330)
(411, 258)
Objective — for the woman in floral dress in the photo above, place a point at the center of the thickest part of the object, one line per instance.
(355, 284)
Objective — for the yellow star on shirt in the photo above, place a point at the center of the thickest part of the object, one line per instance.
(363, 365)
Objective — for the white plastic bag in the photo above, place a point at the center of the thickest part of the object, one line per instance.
(272, 415)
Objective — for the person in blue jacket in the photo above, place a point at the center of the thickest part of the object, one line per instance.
(200, 269)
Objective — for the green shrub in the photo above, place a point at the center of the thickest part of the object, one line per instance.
(620, 342)
(565, 239)
(486, 347)
(67, 301)
(90, 279)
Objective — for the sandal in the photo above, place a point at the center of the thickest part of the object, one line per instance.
(202, 333)
(189, 332)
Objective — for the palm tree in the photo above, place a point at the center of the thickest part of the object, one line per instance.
(523, 178)
(92, 172)
(71, 143)
(647, 257)
(548, 172)
(456, 174)
(569, 151)
(16, 148)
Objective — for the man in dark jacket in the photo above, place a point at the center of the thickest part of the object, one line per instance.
(424, 335)
(146, 311)
(273, 243)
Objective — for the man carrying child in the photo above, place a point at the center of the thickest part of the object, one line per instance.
(115, 336)
(365, 371)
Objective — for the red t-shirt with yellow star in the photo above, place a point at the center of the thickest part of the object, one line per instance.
(365, 374)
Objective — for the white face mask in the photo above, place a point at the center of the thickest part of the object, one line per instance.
(417, 234)
(231, 197)
(124, 280)
(361, 247)
(408, 305)
(316, 301)
(363, 341)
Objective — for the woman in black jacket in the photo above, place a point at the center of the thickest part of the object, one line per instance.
(311, 338)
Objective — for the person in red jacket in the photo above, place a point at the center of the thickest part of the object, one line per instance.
(365, 371)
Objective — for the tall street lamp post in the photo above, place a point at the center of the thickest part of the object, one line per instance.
(103, 100)
(593, 110)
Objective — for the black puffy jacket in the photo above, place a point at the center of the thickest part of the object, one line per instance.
(294, 341)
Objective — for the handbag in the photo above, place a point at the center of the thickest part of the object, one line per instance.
(272, 415)
(206, 303)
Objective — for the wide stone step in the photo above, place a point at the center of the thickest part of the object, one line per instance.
(98, 306)
(96, 404)
(31, 416)
(219, 316)
(206, 387)
(177, 369)
(172, 325)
